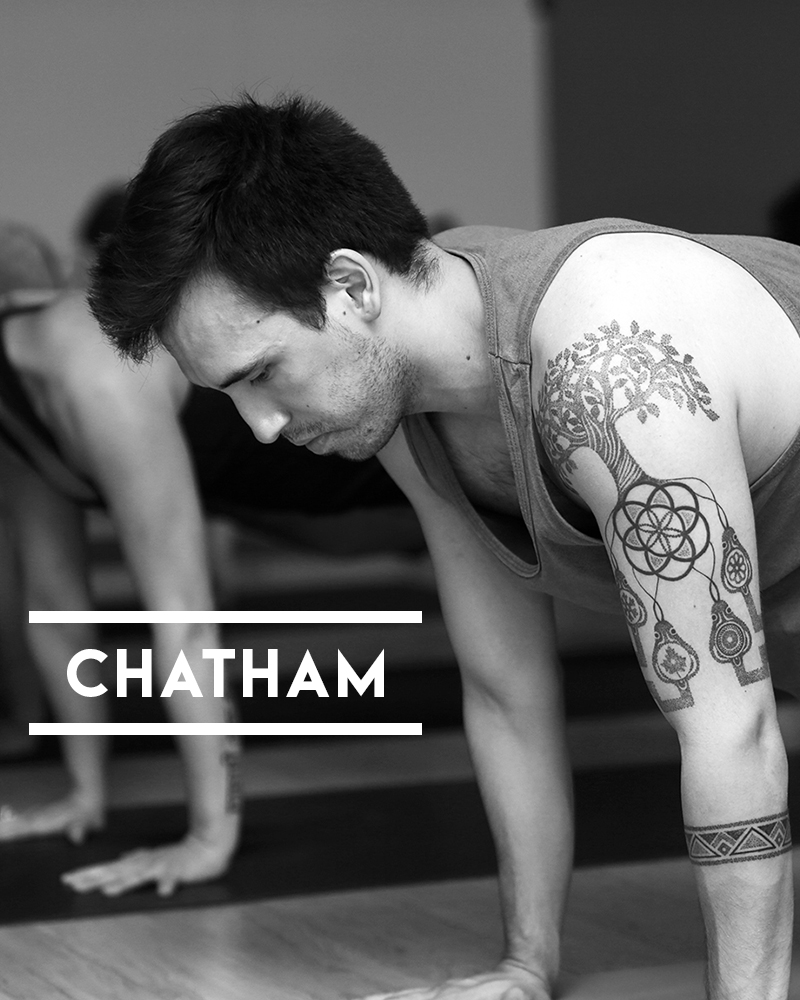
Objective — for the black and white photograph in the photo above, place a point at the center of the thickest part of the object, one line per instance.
(399, 499)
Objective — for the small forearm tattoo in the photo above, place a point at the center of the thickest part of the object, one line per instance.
(231, 760)
(748, 840)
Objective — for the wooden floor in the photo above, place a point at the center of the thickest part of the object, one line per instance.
(330, 946)
(633, 931)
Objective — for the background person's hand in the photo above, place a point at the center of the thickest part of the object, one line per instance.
(190, 860)
(72, 816)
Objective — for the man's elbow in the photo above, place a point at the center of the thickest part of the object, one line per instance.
(754, 742)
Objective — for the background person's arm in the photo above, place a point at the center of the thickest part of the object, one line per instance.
(126, 427)
(49, 536)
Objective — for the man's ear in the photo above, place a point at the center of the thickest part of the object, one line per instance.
(353, 275)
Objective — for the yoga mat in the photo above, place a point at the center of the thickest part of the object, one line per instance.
(336, 841)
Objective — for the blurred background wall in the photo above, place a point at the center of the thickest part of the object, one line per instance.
(682, 113)
(454, 91)
(515, 112)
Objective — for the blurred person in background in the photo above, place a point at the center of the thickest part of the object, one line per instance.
(784, 216)
(79, 428)
(25, 262)
(95, 222)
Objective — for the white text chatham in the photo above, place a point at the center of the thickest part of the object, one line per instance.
(182, 678)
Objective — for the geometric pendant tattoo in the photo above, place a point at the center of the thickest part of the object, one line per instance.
(750, 840)
(674, 662)
(737, 571)
(730, 638)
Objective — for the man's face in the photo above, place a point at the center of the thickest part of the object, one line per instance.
(339, 389)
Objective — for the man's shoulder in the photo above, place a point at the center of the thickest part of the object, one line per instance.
(567, 234)
(532, 252)
(488, 239)
(479, 235)
(651, 267)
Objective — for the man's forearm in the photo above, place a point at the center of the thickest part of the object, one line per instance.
(525, 781)
(743, 870)
(747, 910)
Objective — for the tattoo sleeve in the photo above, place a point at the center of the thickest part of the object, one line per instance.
(748, 840)
(660, 531)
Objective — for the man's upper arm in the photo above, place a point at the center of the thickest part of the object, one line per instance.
(647, 436)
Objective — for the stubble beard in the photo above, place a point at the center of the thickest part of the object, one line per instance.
(387, 394)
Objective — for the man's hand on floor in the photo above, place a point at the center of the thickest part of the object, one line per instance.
(508, 982)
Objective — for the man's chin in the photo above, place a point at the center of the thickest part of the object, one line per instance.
(351, 452)
(319, 445)
(352, 447)
(352, 444)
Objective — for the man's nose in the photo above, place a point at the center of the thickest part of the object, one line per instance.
(264, 421)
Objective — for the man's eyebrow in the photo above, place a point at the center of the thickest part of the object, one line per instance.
(239, 373)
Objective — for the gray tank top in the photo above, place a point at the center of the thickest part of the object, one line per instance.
(556, 548)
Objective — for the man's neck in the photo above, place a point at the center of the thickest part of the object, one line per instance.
(442, 328)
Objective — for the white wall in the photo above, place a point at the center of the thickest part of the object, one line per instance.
(452, 89)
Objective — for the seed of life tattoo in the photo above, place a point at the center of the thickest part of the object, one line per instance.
(747, 840)
(231, 759)
(660, 528)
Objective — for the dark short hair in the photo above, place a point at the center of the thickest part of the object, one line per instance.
(259, 195)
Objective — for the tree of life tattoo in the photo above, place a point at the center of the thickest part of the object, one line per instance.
(662, 530)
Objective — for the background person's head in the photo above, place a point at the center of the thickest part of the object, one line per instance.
(784, 216)
(94, 225)
(259, 195)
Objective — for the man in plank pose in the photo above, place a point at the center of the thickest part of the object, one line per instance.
(79, 428)
(608, 412)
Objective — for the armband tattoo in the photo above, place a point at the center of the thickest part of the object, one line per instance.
(749, 840)
(660, 530)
